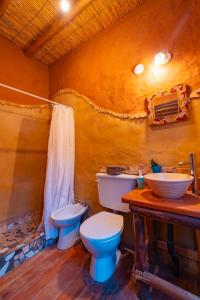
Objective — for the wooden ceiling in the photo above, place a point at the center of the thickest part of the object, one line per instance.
(43, 31)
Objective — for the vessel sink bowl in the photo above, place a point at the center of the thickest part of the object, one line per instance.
(168, 185)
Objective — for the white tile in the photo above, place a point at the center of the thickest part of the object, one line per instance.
(26, 248)
(30, 254)
(9, 256)
(4, 269)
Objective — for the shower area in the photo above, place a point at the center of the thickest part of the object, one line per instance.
(23, 157)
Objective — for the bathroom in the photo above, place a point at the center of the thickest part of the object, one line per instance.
(87, 62)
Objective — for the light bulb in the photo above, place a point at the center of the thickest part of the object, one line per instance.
(65, 5)
(162, 58)
(139, 69)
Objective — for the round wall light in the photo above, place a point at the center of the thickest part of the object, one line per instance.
(162, 58)
(139, 69)
(65, 5)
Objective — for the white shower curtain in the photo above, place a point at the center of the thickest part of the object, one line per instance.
(59, 184)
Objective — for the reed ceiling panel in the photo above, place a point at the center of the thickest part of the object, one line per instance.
(25, 20)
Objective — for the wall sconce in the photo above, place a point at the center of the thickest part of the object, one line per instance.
(162, 58)
(139, 69)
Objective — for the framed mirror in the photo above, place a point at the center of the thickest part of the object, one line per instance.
(168, 106)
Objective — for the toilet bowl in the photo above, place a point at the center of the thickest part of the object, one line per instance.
(68, 220)
(101, 235)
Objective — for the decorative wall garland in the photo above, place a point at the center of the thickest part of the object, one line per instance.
(123, 116)
(37, 106)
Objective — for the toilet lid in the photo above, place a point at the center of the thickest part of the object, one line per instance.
(68, 212)
(102, 225)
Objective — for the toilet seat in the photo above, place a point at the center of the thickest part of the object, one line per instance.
(103, 225)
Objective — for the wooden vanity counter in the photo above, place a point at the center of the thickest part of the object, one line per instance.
(188, 205)
(144, 204)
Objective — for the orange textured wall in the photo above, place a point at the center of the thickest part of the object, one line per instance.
(21, 72)
(24, 133)
(102, 67)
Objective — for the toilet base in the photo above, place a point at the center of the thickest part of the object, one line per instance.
(102, 268)
(68, 236)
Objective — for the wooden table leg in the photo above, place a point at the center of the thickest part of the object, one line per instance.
(152, 254)
(197, 234)
(141, 256)
(171, 248)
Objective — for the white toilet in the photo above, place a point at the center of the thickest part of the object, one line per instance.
(68, 220)
(101, 233)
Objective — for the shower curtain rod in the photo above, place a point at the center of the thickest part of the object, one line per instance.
(31, 95)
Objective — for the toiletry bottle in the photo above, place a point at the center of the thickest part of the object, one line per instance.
(140, 180)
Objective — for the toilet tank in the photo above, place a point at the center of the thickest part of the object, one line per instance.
(112, 188)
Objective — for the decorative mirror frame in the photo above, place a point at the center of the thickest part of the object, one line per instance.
(168, 106)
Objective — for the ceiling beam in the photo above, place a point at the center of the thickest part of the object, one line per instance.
(3, 6)
(56, 27)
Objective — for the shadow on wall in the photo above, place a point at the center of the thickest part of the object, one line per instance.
(23, 155)
(29, 171)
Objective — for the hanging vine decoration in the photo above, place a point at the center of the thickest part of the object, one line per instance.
(34, 106)
(123, 116)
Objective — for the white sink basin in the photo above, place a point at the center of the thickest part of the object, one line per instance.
(168, 185)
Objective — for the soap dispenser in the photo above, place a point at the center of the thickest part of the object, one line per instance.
(140, 180)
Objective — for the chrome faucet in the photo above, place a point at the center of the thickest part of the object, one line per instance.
(193, 171)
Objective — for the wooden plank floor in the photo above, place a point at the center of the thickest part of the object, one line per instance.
(54, 274)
